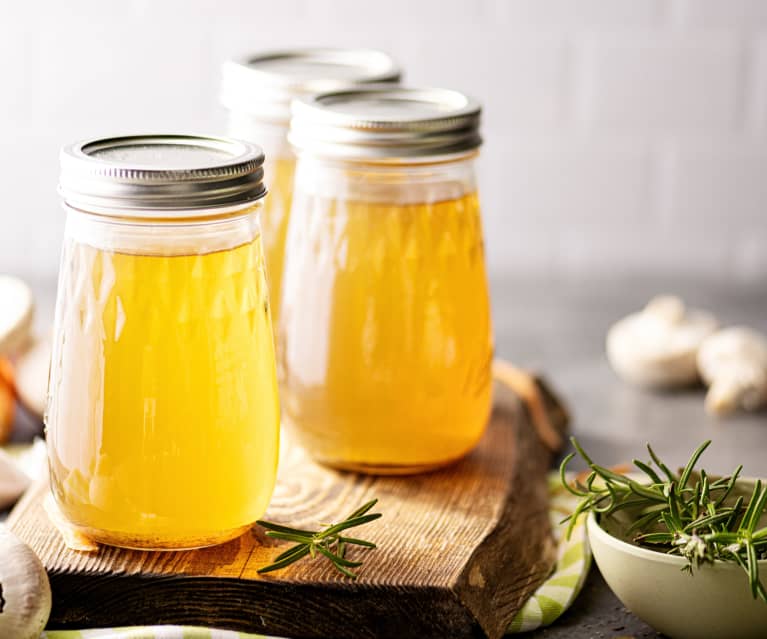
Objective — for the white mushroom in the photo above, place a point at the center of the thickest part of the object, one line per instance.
(32, 368)
(13, 481)
(19, 466)
(25, 593)
(657, 347)
(16, 314)
(733, 363)
(31, 460)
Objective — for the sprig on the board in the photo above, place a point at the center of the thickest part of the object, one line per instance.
(687, 513)
(328, 543)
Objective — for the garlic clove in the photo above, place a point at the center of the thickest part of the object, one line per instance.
(657, 347)
(25, 592)
(13, 481)
(32, 369)
(16, 314)
(733, 363)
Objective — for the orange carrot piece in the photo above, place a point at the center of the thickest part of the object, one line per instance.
(7, 409)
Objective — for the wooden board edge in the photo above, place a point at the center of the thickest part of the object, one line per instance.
(523, 531)
(432, 613)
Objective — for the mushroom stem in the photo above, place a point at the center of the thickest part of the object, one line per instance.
(733, 362)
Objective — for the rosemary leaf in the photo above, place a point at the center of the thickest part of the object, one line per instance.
(751, 506)
(671, 477)
(656, 538)
(645, 468)
(363, 509)
(327, 543)
(756, 513)
(349, 523)
(286, 561)
(337, 560)
(570, 488)
(730, 485)
(356, 542)
(685, 476)
(299, 539)
(707, 521)
(299, 550)
(285, 529)
(644, 521)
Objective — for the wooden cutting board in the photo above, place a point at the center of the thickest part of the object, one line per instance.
(460, 550)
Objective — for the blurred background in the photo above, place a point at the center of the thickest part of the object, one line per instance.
(622, 137)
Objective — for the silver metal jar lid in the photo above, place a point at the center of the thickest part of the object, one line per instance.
(265, 84)
(382, 123)
(150, 175)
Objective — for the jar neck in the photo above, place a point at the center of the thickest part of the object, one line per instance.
(179, 236)
(271, 136)
(390, 183)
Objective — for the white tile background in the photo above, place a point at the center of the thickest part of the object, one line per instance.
(622, 136)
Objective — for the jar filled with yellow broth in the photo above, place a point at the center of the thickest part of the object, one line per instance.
(163, 416)
(257, 91)
(385, 339)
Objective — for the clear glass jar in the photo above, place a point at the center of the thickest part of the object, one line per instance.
(257, 91)
(163, 393)
(385, 340)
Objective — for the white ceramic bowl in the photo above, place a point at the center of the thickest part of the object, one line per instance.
(714, 603)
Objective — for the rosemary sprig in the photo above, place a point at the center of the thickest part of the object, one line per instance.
(687, 513)
(329, 542)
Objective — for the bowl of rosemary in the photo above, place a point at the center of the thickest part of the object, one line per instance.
(685, 551)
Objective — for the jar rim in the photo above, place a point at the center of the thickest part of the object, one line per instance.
(265, 83)
(161, 175)
(384, 123)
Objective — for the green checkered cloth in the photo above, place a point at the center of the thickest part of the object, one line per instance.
(548, 603)
(150, 632)
(558, 592)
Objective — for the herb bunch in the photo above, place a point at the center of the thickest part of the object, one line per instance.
(328, 543)
(686, 513)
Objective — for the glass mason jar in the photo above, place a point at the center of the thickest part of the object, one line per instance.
(385, 339)
(163, 417)
(257, 92)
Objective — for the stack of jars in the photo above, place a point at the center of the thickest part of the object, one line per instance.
(164, 384)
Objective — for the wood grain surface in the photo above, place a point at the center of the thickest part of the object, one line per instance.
(460, 550)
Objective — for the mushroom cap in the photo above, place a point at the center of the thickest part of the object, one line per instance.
(16, 314)
(657, 347)
(731, 352)
(25, 588)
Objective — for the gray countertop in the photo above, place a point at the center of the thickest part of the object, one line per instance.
(558, 328)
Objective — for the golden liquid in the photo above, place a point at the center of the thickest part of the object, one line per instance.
(163, 426)
(274, 223)
(385, 342)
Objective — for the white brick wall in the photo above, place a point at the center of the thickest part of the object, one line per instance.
(719, 13)
(720, 185)
(581, 14)
(658, 83)
(621, 135)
